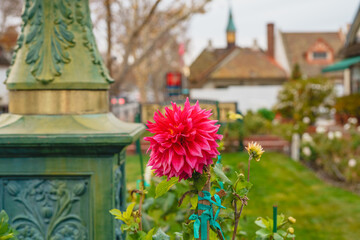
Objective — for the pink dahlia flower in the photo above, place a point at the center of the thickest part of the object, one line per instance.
(184, 141)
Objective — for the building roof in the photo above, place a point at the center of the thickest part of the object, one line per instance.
(234, 64)
(297, 44)
(247, 63)
(231, 26)
(205, 62)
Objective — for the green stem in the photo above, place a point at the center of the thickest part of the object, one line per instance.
(248, 178)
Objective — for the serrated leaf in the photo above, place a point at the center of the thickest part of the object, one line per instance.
(264, 232)
(160, 235)
(165, 186)
(117, 213)
(129, 210)
(219, 172)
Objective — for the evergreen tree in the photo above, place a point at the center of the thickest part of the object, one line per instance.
(296, 72)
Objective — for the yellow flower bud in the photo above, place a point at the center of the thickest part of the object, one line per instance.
(292, 220)
(291, 230)
(255, 150)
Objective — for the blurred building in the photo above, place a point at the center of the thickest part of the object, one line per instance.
(248, 76)
(234, 65)
(252, 76)
(349, 66)
(311, 51)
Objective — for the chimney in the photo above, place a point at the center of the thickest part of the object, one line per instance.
(270, 40)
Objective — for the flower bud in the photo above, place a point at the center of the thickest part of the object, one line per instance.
(79, 189)
(291, 230)
(13, 188)
(292, 220)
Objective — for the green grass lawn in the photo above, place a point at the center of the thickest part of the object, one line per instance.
(322, 211)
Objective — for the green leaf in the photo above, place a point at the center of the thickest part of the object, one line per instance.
(139, 235)
(165, 186)
(280, 219)
(168, 203)
(281, 232)
(129, 210)
(194, 202)
(219, 172)
(117, 213)
(199, 182)
(264, 232)
(213, 235)
(4, 217)
(160, 235)
(277, 237)
(261, 222)
(7, 236)
(243, 188)
(149, 235)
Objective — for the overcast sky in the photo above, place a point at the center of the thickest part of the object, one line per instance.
(251, 17)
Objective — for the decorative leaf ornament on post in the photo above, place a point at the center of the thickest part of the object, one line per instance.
(62, 152)
(185, 143)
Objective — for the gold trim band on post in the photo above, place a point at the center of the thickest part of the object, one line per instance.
(58, 102)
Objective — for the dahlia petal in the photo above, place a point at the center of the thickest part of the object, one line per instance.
(203, 143)
(191, 160)
(179, 149)
(177, 162)
(194, 149)
(160, 137)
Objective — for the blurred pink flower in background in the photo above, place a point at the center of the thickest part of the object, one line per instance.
(184, 141)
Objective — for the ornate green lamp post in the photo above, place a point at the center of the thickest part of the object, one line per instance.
(61, 151)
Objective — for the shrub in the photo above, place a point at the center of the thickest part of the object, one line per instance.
(255, 124)
(348, 106)
(305, 99)
(337, 155)
(267, 114)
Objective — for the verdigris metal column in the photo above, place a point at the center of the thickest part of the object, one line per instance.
(61, 151)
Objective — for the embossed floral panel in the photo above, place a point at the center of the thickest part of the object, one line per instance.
(43, 208)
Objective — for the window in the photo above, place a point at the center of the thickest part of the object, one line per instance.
(319, 55)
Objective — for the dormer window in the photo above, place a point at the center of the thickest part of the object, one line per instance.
(319, 55)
